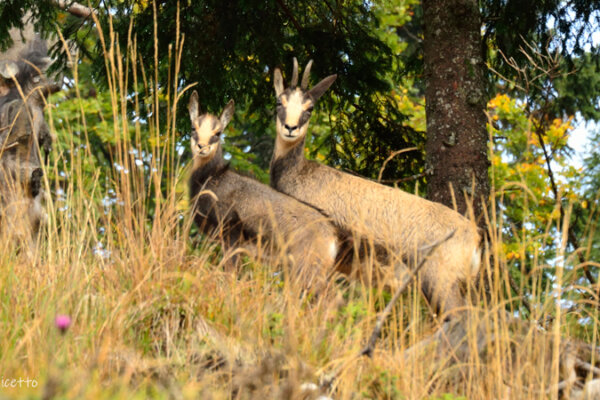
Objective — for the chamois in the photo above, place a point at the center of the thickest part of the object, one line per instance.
(23, 131)
(396, 220)
(243, 210)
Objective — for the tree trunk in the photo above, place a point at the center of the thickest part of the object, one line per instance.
(455, 103)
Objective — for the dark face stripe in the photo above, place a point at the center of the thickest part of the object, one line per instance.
(197, 122)
(281, 114)
(304, 118)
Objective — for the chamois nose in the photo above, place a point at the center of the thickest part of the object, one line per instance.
(290, 128)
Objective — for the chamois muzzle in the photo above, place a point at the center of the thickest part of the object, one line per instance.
(291, 130)
(204, 149)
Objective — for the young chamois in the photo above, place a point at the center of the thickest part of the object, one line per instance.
(242, 210)
(398, 221)
(23, 131)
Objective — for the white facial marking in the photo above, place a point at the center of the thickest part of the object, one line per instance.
(294, 108)
(293, 127)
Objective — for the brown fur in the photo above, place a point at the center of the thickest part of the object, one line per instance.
(396, 220)
(242, 210)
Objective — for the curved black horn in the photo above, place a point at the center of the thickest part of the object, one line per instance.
(294, 81)
(306, 76)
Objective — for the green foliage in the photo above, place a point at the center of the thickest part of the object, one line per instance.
(274, 326)
(448, 396)
(565, 29)
(512, 23)
(578, 91)
(355, 40)
(527, 195)
(42, 14)
(230, 52)
(511, 28)
(382, 385)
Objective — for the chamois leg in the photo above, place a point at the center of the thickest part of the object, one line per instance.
(451, 301)
(230, 240)
(231, 264)
(442, 291)
(312, 267)
(362, 260)
(346, 258)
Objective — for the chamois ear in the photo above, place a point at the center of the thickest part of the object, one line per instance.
(193, 106)
(227, 113)
(278, 82)
(8, 70)
(320, 88)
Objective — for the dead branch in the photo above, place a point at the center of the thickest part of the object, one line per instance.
(287, 12)
(587, 367)
(552, 389)
(394, 154)
(76, 9)
(402, 180)
(408, 277)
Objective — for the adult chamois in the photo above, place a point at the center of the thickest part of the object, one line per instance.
(23, 132)
(396, 220)
(241, 210)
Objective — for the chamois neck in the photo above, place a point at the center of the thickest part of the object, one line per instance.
(204, 169)
(287, 150)
(11, 95)
(284, 162)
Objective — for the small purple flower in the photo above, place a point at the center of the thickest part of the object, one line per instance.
(62, 322)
